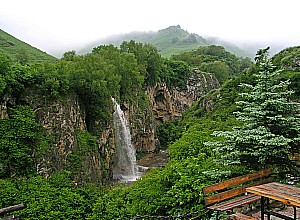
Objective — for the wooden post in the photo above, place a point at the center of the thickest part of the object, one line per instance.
(12, 208)
(11, 217)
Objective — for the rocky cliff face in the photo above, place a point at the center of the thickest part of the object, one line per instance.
(165, 104)
(142, 124)
(168, 104)
(64, 122)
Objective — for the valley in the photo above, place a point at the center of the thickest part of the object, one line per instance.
(193, 114)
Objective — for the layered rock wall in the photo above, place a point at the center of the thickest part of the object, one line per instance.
(142, 125)
(165, 104)
(63, 120)
(168, 104)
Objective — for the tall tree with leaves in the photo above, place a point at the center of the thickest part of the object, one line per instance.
(270, 131)
(19, 141)
(147, 57)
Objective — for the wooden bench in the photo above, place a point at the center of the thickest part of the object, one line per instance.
(227, 195)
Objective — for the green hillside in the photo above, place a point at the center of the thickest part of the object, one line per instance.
(169, 41)
(174, 40)
(289, 61)
(20, 51)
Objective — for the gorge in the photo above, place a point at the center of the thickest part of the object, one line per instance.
(66, 122)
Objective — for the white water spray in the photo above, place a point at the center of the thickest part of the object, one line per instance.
(125, 168)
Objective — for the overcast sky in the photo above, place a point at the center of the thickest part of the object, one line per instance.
(53, 25)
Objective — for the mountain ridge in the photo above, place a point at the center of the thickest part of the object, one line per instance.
(169, 41)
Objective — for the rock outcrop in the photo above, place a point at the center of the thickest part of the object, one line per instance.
(168, 104)
(63, 120)
(164, 104)
(142, 125)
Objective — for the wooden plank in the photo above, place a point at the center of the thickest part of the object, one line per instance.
(233, 192)
(239, 203)
(234, 203)
(285, 191)
(231, 201)
(295, 191)
(236, 181)
(11, 208)
(277, 188)
(289, 195)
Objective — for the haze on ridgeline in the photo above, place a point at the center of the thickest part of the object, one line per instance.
(58, 26)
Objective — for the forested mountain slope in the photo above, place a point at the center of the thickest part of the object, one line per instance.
(169, 41)
(289, 61)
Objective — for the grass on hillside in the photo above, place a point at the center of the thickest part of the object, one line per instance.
(14, 49)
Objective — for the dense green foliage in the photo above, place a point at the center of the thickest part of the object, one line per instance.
(19, 137)
(216, 60)
(270, 133)
(147, 57)
(168, 132)
(175, 73)
(20, 51)
(288, 61)
(54, 198)
(95, 81)
(174, 190)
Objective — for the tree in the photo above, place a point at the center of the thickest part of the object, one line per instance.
(23, 56)
(220, 70)
(175, 73)
(126, 67)
(5, 66)
(147, 57)
(19, 137)
(216, 60)
(270, 131)
(70, 55)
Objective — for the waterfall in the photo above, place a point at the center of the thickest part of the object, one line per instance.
(125, 167)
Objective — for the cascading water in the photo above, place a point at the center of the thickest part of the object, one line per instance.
(125, 168)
